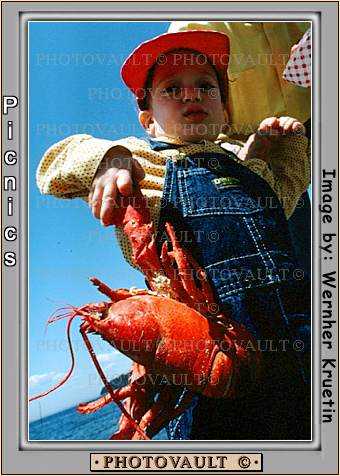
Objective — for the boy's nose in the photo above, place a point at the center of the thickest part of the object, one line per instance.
(191, 94)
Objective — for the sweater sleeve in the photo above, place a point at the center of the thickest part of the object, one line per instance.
(68, 167)
(288, 170)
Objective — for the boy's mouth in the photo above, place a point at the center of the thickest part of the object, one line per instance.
(195, 113)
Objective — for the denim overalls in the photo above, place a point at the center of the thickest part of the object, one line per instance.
(234, 225)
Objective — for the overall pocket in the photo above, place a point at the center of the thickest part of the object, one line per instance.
(248, 252)
(202, 193)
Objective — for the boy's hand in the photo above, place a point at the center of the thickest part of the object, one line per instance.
(116, 175)
(268, 133)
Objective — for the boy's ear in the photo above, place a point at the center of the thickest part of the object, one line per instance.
(146, 121)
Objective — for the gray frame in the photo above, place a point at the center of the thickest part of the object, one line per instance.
(23, 457)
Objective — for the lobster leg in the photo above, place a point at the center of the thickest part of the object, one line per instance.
(177, 290)
(118, 294)
(201, 296)
(126, 430)
(162, 412)
(170, 414)
(136, 406)
(91, 407)
(161, 405)
(108, 386)
(120, 394)
(141, 398)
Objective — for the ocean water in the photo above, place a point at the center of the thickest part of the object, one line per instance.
(71, 425)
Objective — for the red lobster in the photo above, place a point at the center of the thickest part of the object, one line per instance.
(174, 333)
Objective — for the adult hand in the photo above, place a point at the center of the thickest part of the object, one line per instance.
(273, 127)
(270, 130)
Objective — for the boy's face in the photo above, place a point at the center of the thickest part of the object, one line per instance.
(185, 100)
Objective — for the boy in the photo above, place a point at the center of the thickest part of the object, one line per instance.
(234, 206)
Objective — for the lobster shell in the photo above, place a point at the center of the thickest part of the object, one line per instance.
(175, 341)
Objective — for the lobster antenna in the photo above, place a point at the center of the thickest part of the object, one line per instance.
(57, 317)
(108, 386)
(69, 372)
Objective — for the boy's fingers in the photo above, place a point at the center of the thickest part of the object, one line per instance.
(118, 178)
(268, 122)
(137, 171)
(290, 124)
(124, 182)
(96, 200)
(273, 127)
(123, 163)
(115, 162)
(286, 123)
(89, 197)
(298, 128)
(266, 125)
(107, 211)
(108, 203)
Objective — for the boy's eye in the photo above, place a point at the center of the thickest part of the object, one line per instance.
(171, 91)
(206, 86)
(175, 91)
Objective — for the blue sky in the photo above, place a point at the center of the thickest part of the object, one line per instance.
(74, 88)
